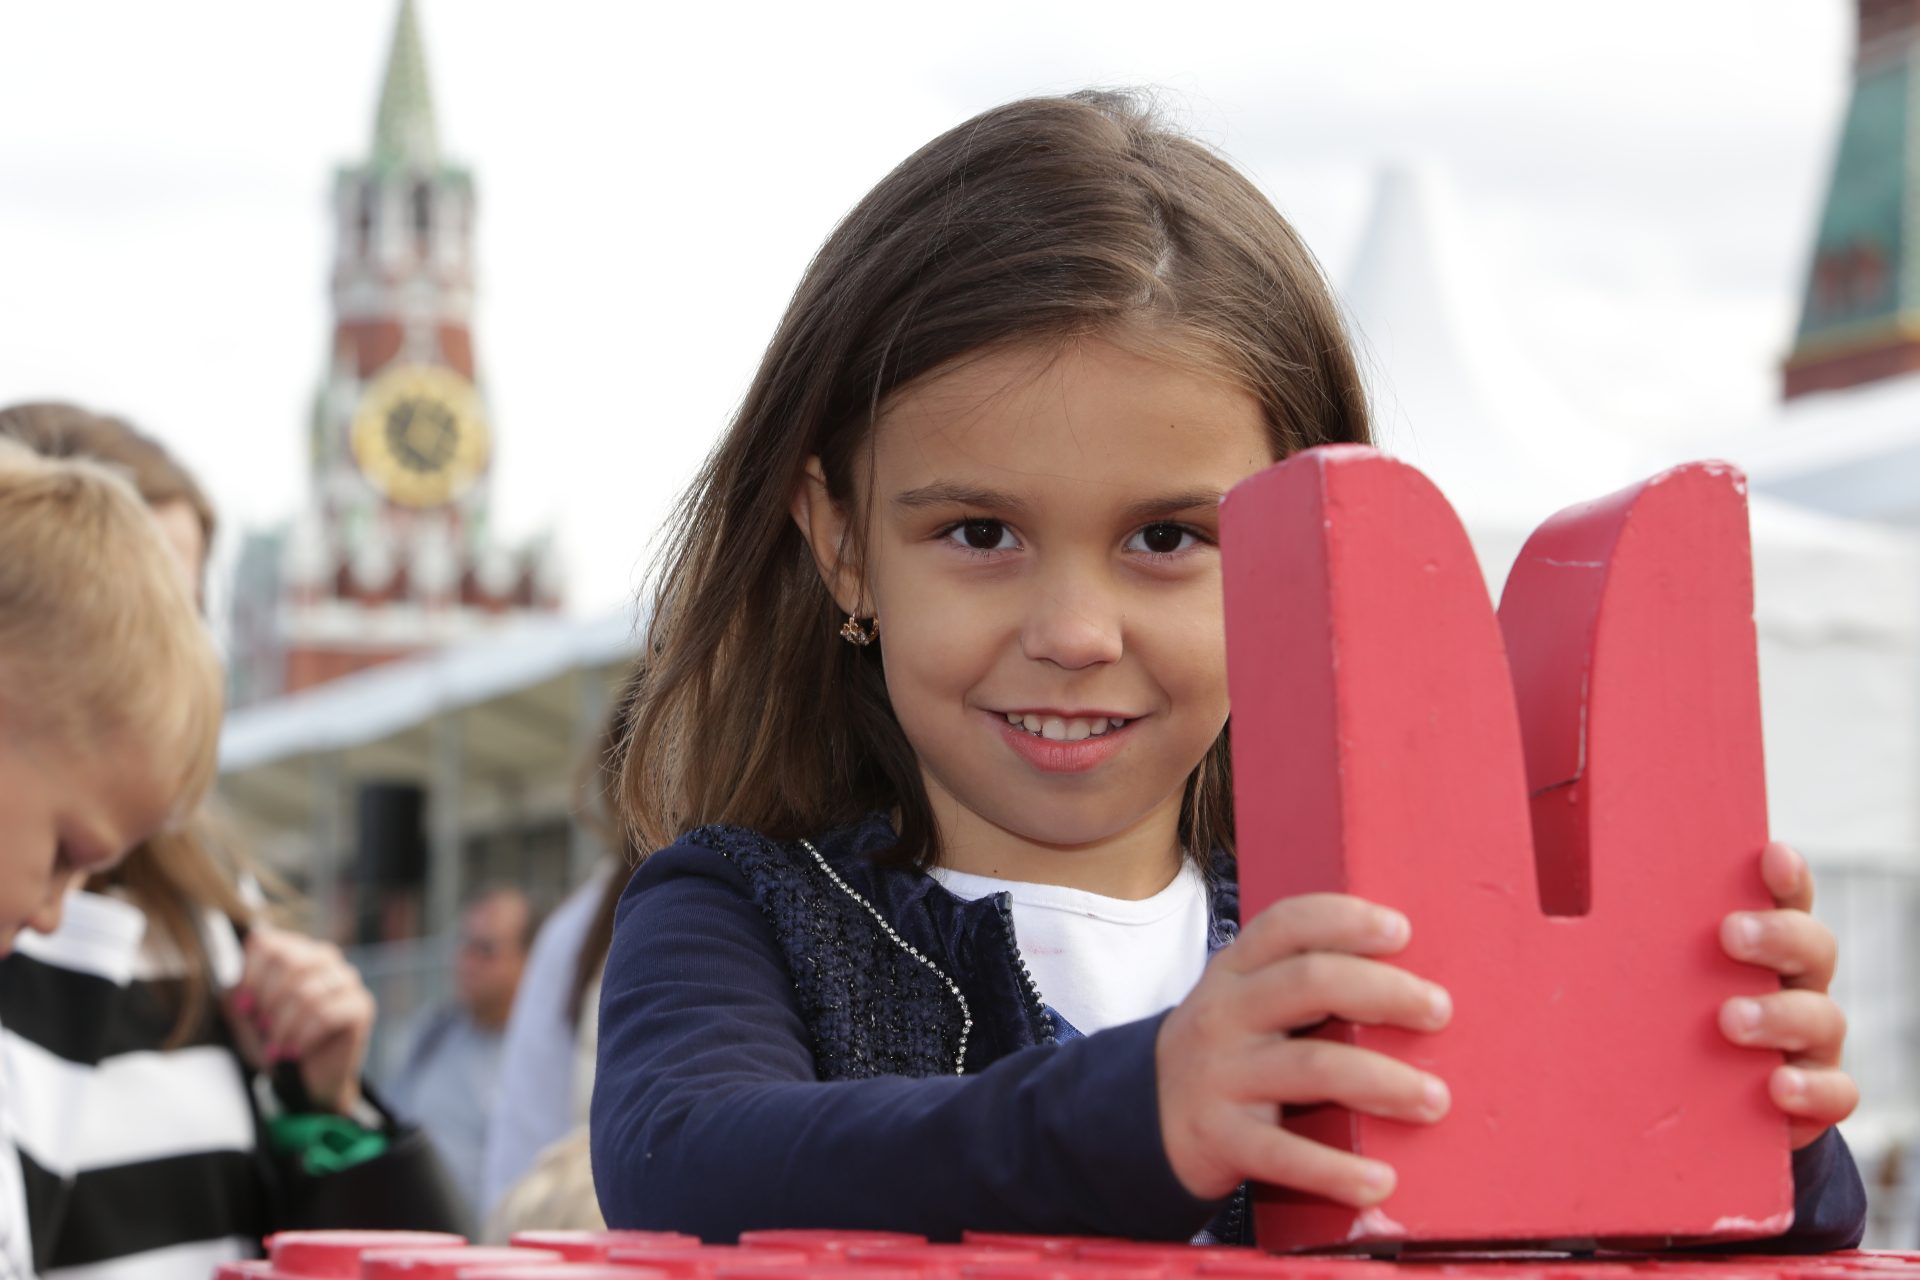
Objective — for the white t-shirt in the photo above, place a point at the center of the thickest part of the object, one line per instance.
(1098, 961)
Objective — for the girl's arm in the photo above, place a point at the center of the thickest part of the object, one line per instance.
(707, 1116)
(1829, 1203)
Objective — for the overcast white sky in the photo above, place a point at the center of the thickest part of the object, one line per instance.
(653, 180)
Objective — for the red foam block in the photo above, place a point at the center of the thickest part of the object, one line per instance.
(1050, 1246)
(1065, 1269)
(1565, 833)
(246, 1269)
(704, 1260)
(448, 1264)
(593, 1246)
(338, 1253)
(825, 1242)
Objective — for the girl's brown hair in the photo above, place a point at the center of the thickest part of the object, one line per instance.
(1045, 220)
(177, 876)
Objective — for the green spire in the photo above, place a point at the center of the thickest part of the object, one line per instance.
(404, 135)
(1860, 308)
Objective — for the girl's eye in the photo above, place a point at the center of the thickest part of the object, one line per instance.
(1162, 539)
(982, 535)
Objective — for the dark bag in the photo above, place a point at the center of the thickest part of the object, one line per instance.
(406, 1188)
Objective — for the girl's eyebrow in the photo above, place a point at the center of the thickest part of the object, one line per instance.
(1173, 504)
(948, 493)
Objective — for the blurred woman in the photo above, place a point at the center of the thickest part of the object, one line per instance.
(537, 1172)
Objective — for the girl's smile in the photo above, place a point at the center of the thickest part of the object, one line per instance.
(1065, 742)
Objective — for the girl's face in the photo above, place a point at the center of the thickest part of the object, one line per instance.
(1042, 554)
(66, 815)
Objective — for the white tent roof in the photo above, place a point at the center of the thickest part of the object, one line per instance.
(1854, 452)
(1450, 391)
(390, 699)
(528, 701)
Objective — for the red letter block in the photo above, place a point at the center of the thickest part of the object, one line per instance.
(1565, 836)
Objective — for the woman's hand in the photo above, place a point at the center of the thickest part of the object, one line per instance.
(1802, 1020)
(300, 1001)
(1226, 1062)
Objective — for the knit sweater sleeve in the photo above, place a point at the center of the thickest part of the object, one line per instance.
(708, 1116)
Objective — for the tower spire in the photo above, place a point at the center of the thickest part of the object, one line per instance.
(1860, 311)
(404, 135)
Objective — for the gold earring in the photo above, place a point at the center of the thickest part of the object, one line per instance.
(860, 632)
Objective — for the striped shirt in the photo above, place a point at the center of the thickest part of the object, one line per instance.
(135, 1161)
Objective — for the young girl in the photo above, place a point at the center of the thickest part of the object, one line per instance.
(934, 728)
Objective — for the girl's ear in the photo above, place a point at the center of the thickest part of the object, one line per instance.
(823, 523)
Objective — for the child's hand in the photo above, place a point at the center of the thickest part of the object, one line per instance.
(300, 1001)
(1802, 1020)
(1226, 1063)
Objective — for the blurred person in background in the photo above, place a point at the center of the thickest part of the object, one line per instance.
(209, 1061)
(546, 1068)
(447, 1077)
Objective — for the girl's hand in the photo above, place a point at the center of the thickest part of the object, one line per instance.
(300, 1001)
(1226, 1062)
(1801, 1020)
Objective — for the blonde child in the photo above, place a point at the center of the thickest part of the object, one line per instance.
(934, 732)
(164, 963)
(109, 687)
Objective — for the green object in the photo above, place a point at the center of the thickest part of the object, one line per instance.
(321, 1144)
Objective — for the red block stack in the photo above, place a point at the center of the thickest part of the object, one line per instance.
(874, 1255)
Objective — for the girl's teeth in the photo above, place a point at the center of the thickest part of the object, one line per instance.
(1057, 729)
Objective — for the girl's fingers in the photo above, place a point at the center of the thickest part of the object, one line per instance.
(1271, 1155)
(275, 962)
(314, 987)
(1807, 1024)
(1315, 1071)
(346, 1011)
(1316, 922)
(1302, 990)
(1817, 1098)
(1785, 874)
(1790, 942)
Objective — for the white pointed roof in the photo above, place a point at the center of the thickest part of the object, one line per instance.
(1454, 395)
(1451, 392)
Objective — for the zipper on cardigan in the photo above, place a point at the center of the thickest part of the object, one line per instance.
(966, 1013)
(1036, 1005)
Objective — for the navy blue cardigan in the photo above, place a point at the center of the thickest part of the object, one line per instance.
(794, 1036)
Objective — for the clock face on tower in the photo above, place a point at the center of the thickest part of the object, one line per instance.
(419, 436)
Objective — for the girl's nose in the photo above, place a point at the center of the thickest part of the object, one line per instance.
(1073, 627)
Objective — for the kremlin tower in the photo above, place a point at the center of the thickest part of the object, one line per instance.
(393, 553)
